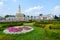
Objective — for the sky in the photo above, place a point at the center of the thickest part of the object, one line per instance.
(30, 7)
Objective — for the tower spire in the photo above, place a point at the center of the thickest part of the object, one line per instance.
(19, 9)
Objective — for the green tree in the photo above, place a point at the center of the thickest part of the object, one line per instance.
(41, 15)
(6, 16)
(24, 17)
(31, 17)
(34, 17)
(56, 17)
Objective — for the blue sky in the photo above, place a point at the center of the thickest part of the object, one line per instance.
(30, 7)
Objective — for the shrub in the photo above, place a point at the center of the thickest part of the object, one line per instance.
(50, 22)
(55, 26)
(1, 29)
(39, 25)
(9, 24)
(52, 33)
(7, 38)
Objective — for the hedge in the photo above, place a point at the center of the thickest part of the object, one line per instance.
(52, 33)
(3, 26)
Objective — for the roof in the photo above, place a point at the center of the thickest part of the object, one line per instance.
(11, 16)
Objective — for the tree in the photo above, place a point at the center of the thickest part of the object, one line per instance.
(34, 17)
(6, 16)
(56, 17)
(41, 15)
(24, 17)
(31, 17)
(28, 17)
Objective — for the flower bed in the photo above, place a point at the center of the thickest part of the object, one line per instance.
(18, 30)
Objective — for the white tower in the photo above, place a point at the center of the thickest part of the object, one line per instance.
(19, 15)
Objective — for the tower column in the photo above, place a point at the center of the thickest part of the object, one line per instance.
(19, 9)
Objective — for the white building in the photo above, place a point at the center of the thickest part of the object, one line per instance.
(47, 17)
(10, 18)
(2, 19)
(19, 16)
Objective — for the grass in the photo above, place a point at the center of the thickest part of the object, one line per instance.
(37, 34)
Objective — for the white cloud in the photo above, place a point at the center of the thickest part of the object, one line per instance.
(34, 8)
(15, 0)
(8, 0)
(4, 0)
(1, 4)
(56, 10)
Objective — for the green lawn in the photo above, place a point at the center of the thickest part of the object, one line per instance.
(37, 34)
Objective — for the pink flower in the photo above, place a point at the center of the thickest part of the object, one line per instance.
(19, 29)
(10, 29)
(13, 29)
(26, 28)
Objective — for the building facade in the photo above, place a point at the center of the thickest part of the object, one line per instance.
(19, 16)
